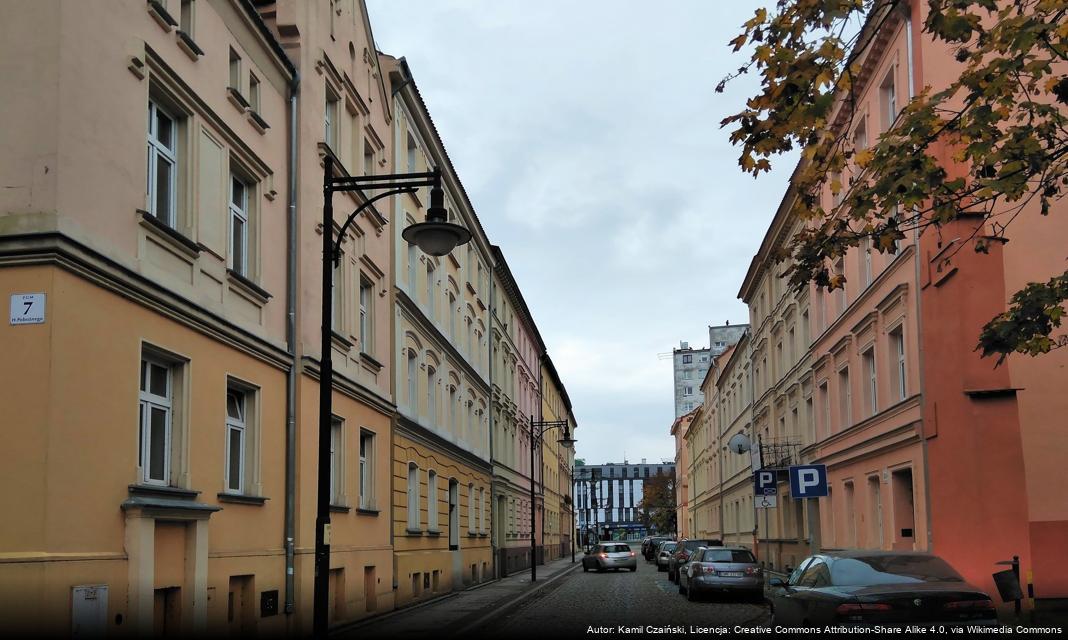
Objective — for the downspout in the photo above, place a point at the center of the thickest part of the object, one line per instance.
(291, 347)
(907, 9)
(493, 484)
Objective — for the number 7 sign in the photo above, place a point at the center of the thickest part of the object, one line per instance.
(27, 308)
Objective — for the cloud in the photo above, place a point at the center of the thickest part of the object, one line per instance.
(587, 135)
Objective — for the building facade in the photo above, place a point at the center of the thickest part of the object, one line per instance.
(441, 440)
(689, 366)
(608, 497)
(683, 495)
(170, 220)
(517, 350)
(556, 465)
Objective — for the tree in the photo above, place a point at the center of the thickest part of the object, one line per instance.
(1003, 122)
(657, 506)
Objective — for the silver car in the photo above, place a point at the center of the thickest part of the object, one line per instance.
(663, 554)
(722, 570)
(610, 556)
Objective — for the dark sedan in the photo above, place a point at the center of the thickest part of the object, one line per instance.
(877, 588)
(650, 544)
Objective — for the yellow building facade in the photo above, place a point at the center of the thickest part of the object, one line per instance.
(557, 465)
(441, 470)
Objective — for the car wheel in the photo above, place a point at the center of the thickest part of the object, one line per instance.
(633, 569)
(690, 595)
(660, 569)
(682, 589)
(585, 569)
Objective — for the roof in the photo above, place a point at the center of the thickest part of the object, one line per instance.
(511, 287)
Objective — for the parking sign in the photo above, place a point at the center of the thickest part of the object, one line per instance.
(808, 481)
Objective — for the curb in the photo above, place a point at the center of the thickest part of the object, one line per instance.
(499, 608)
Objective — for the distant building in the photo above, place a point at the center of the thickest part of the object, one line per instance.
(691, 365)
(607, 498)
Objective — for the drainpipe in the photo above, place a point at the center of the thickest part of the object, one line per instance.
(291, 347)
(493, 483)
(907, 10)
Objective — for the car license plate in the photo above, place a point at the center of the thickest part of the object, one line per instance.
(731, 574)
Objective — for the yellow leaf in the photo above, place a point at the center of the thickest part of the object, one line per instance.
(1050, 83)
(863, 157)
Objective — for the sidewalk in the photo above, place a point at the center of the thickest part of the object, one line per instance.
(456, 612)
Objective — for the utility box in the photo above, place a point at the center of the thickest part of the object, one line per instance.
(89, 611)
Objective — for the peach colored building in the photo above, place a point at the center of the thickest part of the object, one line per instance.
(683, 489)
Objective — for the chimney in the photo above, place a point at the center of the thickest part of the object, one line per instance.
(728, 323)
(684, 345)
(643, 460)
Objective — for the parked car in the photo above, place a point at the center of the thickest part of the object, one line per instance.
(649, 546)
(681, 555)
(610, 556)
(722, 570)
(663, 554)
(877, 587)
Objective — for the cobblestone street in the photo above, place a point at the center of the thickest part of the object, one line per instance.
(582, 601)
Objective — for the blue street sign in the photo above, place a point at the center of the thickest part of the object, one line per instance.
(808, 481)
(765, 482)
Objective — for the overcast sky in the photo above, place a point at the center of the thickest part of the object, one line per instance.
(587, 136)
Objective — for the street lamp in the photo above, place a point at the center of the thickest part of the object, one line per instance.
(537, 430)
(436, 237)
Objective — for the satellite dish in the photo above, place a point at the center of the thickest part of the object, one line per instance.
(739, 443)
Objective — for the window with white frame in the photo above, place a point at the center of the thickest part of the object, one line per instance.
(897, 346)
(845, 398)
(888, 98)
(330, 118)
(431, 301)
(865, 248)
(413, 262)
(413, 382)
(236, 429)
(432, 395)
(411, 157)
(254, 92)
(239, 225)
(235, 71)
(337, 461)
(366, 317)
(367, 452)
(482, 509)
(337, 295)
(432, 500)
(156, 419)
(471, 509)
(368, 158)
(185, 20)
(872, 391)
(162, 164)
(413, 497)
(454, 310)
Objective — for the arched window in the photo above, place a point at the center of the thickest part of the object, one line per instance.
(432, 394)
(471, 509)
(413, 382)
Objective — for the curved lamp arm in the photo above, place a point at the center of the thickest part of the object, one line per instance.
(336, 247)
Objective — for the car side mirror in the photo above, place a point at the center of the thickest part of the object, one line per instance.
(777, 582)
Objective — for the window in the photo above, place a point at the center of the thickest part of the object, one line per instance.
(454, 310)
(235, 71)
(330, 120)
(156, 417)
(687, 391)
(368, 158)
(336, 294)
(845, 399)
(254, 92)
(365, 315)
(897, 346)
(337, 472)
(412, 147)
(367, 452)
(413, 497)
(865, 247)
(185, 21)
(888, 98)
(482, 509)
(840, 294)
(236, 411)
(239, 225)
(471, 509)
(413, 401)
(432, 395)
(869, 367)
(825, 408)
(430, 299)
(454, 426)
(860, 135)
(687, 359)
(162, 164)
(432, 500)
(413, 261)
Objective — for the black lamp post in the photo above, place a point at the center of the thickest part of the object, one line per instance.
(436, 237)
(538, 428)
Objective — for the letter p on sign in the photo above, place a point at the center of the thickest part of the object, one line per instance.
(808, 481)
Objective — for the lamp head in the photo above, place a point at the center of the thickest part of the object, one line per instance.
(437, 236)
